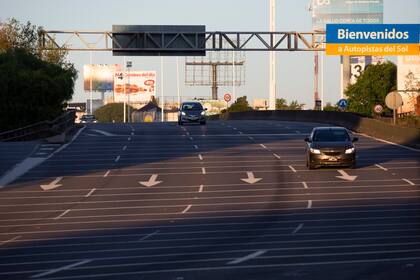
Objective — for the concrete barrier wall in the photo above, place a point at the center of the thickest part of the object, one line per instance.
(354, 122)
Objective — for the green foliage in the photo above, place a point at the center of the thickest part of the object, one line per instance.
(281, 104)
(112, 112)
(371, 88)
(241, 105)
(330, 107)
(16, 35)
(32, 90)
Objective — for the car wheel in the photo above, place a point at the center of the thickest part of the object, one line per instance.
(309, 165)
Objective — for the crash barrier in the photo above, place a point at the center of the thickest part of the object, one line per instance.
(354, 122)
(41, 129)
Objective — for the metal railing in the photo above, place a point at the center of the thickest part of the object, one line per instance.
(41, 129)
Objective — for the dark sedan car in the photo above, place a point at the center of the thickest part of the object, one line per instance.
(330, 146)
(192, 112)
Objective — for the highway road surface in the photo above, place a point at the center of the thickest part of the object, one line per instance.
(230, 200)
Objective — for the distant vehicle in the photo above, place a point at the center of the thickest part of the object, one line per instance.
(192, 112)
(330, 146)
(88, 119)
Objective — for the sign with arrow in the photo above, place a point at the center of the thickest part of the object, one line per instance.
(152, 181)
(52, 185)
(346, 176)
(251, 179)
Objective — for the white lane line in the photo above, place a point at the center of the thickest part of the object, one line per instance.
(291, 168)
(91, 192)
(40, 154)
(10, 240)
(62, 214)
(200, 157)
(188, 133)
(124, 148)
(248, 257)
(129, 138)
(186, 209)
(50, 145)
(381, 167)
(240, 132)
(192, 139)
(149, 235)
(117, 158)
(297, 131)
(103, 132)
(235, 128)
(299, 227)
(309, 204)
(201, 188)
(203, 170)
(196, 147)
(132, 133)
(52, 271)
(264, 146)
(107, 173)
(305, 185)
(251, 138)
(47, 149)
(408, 181)
(132, 128)
(277, 156)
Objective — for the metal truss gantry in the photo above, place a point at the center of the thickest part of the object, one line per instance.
(169, 41)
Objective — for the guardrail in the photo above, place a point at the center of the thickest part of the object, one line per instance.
(355, 122)
(41, 129)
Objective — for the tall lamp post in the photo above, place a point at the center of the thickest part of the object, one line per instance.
(128, 65)
(272, 97)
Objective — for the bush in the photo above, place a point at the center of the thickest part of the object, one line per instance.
(112, 112)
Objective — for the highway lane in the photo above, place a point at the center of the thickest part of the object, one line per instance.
(230, 200)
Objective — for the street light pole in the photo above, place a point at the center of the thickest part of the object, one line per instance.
(125, 93)
(177, 81)
(272, 60)
(129, 64)
(91, 74)
(161, 88)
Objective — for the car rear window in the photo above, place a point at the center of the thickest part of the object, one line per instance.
(192, 107)
(331, 135)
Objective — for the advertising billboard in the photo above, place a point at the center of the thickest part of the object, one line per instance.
(99, 77)
(409, 79)
(136, 86)
(346, 12)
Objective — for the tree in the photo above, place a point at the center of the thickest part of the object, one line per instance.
(112, 112)
(240, 105)
(371, 88)
(32, 90)
(329, 107)
(295, 105)
(16, 35)
(281, 104)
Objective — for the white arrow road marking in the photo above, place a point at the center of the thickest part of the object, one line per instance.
(346, 176)
(381, 167)
(52, 185)
(408, 181)
(251, 179)
(52, 271)
(152, 181)
(248, 257)
(103, 132)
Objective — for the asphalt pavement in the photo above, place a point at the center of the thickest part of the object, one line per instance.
(229, 200)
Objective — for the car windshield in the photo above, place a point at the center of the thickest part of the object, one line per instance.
(331, 135)
(192, 107)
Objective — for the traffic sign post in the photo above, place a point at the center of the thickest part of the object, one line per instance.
(342, 104)
(378, 108)
(227, 97)
(394, 101)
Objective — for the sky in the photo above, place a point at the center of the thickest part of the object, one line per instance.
(294, 69)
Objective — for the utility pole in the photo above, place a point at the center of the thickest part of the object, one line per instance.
(272, 59)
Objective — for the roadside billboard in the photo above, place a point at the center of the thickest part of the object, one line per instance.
(136, 86)
(409, 79)
(99, 77)
(346, 12)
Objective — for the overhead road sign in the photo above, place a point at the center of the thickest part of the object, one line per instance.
(373, 39)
